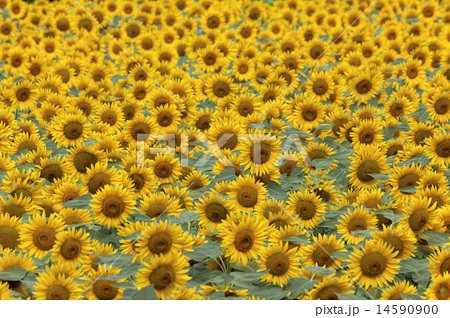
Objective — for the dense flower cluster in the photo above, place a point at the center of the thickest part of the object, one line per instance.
(212, 149)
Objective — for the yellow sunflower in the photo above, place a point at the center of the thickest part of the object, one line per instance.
(397, 238)
(243, 235)
(283, 264)
(39, 235)
(247, 193)
(259, 152)
(439, 289)
(308, 207)
(328, 288)
(166, 168)
(165, 273)
(438, 149)
(72, 246)
(102, 289)
(367, 159)
(319, 253)
(375, 265)
(213, 210)
(396, 291)
(56, 287)
(157, 204)
(10, 231)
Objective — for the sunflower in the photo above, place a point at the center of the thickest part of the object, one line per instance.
(319, 253)
(438, 196)
(16, 205)
(102, 289)
(396, 108)
(367, 132)
(438, 149)
(439, 263)
(128, 246)
(213, 210)
(39, 235)
(68, 130)
(328, 288)
(283, 264)
(247, 193)
(440, 289)
(307, 114)
(308, 207)
(259, 152)
(419, 132)
(243, 235)
(359, 219)
(76, 216)
(162, 238)
(72, 246)
(402, 241)
(11, 259)
(165, 273)
(166, 168)
(315, 150)
(10, 231)
(81, 158)
(211, 59)
(142, 180)
(225, 133)
(157, 204)
(244, 69)
(364, 87)
(375, 265)
(229, 292)
(413, 72)
(99, 175)
(184, 293)
(404, 177)
(320, 86)
(396, 291)
(167, 116)
(65, 190)
(419, 217)
(25, 141)
(112, 205)
(366, 160)
(219, 87)
(56, 287)
(439, 107)
(5, 292)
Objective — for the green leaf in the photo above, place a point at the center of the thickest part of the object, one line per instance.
(435, 238)
(146, 293)
(301, 285)
(119, 260)
(126, 285)
(300, 239)
(322, 164)
(79, 203)
(247, 279)
(350, 297)
(188, 217)
(365, 233)
(320, 270)
(411, 189)
(15, 274)
(380, 176)
(269, 292)
(209, 250)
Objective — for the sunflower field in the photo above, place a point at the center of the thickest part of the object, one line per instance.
(225, 149)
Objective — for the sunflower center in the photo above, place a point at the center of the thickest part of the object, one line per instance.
(44, 238)
(373, 264)
(244, 240)
(27, 145)
(309, 114)
(133, 30)
(155, 210)
(442, 292)
(210, 59)
(84, 160)
(395, 243)
(260, 152)
(357, 224)
(393, 150)
(412, 73)
(245, 108)
(23, 94)
(365, 168)
(363, 87)
(243, 68)
(216, 212)
(442, 105)
(443, 148)
(366, 136)
(305, 209)
(418, 219)
(21, 191)
(104, 290)
(278, 264)
(247, 196)
(317, 154)
(65, 75)
(8, 237)
(162, 276)
(63, 24)
(98, 181)
(16, 61)
(328, 293)
(71, 248)
(408, 180)
(140, 129)
(320, 86)
(140, 93)
(230, 137)
(165, 118)
(73, 219)
(445, 266)
(160, 243)
(52, 172)
(396, 109)
(421, 135)
(57, 292)
(322, 255)
(287, 167)
(203, 123)
(73, 130)
(163, 170)
(69, 195)
(113, 206)
(109, 117)
(85, 24)
(138, 181)
(316, 52)
(14, 210)
(221, 89)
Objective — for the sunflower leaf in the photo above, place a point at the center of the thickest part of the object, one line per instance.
(320, 270)
(380, 176)
(301, 285)
(209, 250)
(81, 202)
(146, 293)
(411, 189)
(365, 233)
(435, 238)
(15, 274)
(322, 164)
(269, 292)
(350, 297)
(300, 239)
